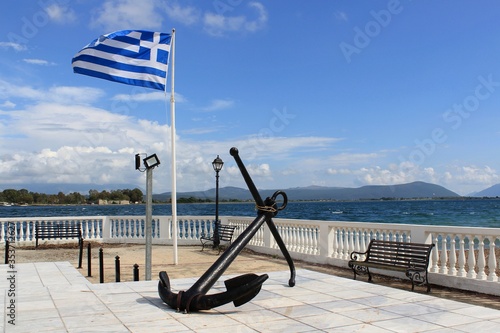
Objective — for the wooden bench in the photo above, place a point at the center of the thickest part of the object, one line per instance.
(58, 231)
(225, 235)
(410, 258)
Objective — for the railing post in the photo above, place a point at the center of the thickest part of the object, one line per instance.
(106, 228)
(164, 228)
(326, 244)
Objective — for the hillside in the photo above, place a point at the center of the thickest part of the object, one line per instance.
(493, 191)
(402, 191)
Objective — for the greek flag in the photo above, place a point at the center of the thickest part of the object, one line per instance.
(134, 57)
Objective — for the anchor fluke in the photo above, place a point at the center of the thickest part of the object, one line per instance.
(240, 290)
(249, 284)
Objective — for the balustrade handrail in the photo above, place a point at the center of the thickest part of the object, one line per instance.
(324, 242)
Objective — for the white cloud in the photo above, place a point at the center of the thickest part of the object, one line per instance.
(15, 46)
(345, 159)
(148, 97)
(8, 90)
(472, 174)
(60, 94)
(218, 24)
(218, 104)
(116, 14)
(7, 104)
(38, 62)
(61, 14)
(186, 15)
(341, 16)
(60, 143)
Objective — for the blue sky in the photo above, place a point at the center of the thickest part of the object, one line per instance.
(329, 93)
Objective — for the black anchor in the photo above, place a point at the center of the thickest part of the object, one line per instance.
(240, 289)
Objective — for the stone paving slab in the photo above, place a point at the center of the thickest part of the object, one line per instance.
(53, 297)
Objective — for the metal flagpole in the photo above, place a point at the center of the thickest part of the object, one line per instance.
(172, 132)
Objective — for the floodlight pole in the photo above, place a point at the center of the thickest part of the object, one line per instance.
(149, 222)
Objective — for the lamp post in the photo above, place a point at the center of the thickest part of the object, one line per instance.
(217, 165)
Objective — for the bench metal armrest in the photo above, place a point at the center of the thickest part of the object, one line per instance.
(355, 255)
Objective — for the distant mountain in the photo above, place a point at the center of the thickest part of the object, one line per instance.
(370, 192)
(493, 191)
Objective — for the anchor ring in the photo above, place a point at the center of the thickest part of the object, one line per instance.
(285, 199)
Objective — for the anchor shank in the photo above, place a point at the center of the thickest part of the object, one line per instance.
(258, 200)
(251, 186)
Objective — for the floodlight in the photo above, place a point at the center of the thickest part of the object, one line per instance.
(151, 161)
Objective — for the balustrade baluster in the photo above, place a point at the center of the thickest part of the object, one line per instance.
(287, 230)
(461, 257)
(335, 243)
(362, 245)
(283, 231)
(305, 237)
(341, 242)
(296, 239)
(481, 262)
(471, 259)
(121, 228)
(492, 261)
(453, 257)
(316, 237)
(21, 231)
(356, 240)
(311, 240)
(435, 257)
(300, 239)
(307, 240)
(444, 255)
(347, 245)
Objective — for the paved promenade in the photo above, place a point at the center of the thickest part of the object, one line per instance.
(56, 297)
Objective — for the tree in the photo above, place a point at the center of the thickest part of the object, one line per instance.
(93, 196)
(61, 198)
(25, 197)
(11, 195)
(135, 195)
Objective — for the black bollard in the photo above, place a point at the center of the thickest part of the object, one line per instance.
(89, 260)
(80, 256)
(101, 266)
(117, 268)
(6, 252)
(136, 272)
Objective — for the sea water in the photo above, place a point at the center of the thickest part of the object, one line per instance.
(469, 213)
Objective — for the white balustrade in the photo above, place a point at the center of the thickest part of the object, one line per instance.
(464, 257)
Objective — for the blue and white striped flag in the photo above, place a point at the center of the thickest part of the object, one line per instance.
(134, 57)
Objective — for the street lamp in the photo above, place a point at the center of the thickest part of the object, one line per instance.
(217, 165)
